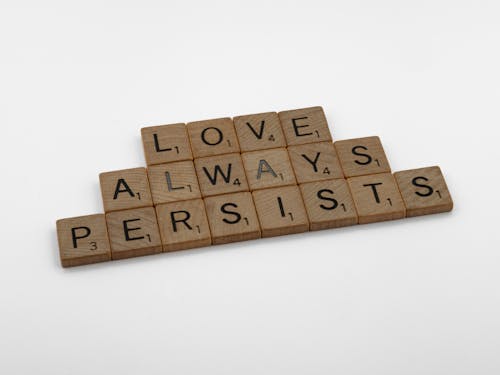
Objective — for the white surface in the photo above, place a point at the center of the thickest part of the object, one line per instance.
(417, 296)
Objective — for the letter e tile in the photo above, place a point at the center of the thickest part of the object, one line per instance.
(306, 125)
(133, 233)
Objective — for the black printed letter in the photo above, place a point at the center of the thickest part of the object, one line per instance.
(75, 237)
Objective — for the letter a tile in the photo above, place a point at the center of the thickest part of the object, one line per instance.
(124, 189)
(232, 218)
(83, 240)
(183, 225)
(424, 191)
(377, 198)
(268, 168)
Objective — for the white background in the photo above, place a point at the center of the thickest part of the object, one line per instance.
(417, 296)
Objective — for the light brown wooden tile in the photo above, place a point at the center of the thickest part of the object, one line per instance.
(133, 233)
(362, 156)
(376, 198)
(173, 182)
(259, 131)
(329, 204)
(281, 211)
(166, 144)
(424, 191)
(124, 189)
(83, 240)
(268, 168)
(213, 137)
(232, 218)
(315, 162)
(183, 225)
(221, 174)
(306, 125)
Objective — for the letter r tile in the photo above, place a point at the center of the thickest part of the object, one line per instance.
(306, 125)
(183, 225)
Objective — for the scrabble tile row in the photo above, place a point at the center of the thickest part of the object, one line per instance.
(235, 172)
(261, 175)
(250, 215)
(261, 131)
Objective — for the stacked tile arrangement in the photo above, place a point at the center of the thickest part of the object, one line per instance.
(225, 180)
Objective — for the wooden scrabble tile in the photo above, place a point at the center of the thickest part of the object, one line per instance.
(281, 211)
(424, 191)
(83, 240)
(376, 198)
(268, 168)
(260, 131)
(329, 204)
(232, 218)
(306, 125)
(166, 144)
(124, 189)
(133, 233)
(183, 225)
(213, 137)
(362, 156)
(315, 162)
(173, 182)
(221, 174)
